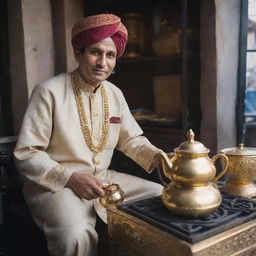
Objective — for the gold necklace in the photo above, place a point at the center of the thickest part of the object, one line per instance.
(82, 115)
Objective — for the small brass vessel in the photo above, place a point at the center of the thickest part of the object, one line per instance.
(241, 171)
(167, 41)
(114, 195)
(135, 24)
(192, 191)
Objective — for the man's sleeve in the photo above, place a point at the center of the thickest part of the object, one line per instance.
(30, 152)
(133, 144)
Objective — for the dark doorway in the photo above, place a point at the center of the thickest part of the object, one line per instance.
(5, 84)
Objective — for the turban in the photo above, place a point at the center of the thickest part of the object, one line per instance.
(95, 28)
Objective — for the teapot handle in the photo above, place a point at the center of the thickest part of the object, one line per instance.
(214, 158)
(160, 176)
(160, 171)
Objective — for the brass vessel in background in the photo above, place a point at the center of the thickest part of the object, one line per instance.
(134, 22)
(114, 195)
(167, 41)
(241, 171)
(192, 191)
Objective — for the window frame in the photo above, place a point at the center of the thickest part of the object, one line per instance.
(241, 86)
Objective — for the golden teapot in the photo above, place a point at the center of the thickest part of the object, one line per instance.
(241, 171)
(192, 191)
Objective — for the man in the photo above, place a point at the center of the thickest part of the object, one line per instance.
(70, 129)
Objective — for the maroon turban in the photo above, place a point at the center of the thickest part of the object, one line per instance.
(95, 28)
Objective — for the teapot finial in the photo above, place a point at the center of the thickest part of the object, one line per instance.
(241, 146)
(190, 135)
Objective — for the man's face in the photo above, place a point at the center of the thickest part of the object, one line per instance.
(98, 61)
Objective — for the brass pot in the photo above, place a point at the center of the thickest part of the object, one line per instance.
(167, 42)
(135, 24)
(241, 171)
(114, 195)
(192, 191)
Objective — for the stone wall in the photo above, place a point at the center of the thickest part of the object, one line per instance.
(35, 55)
(219, 66)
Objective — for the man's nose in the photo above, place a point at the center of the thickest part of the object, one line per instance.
(102, 60)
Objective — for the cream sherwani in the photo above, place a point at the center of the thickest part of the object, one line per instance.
(51, 146)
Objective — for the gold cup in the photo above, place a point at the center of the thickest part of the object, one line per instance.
(114, 195)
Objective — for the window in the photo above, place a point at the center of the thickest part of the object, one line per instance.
(250, 91)
(247, 75)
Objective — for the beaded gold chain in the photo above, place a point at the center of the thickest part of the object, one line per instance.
(83, 119)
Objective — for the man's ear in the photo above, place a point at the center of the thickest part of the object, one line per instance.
(77, 55)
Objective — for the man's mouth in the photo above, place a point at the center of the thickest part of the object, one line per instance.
(99, 70)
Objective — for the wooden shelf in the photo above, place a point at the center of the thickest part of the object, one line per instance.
(154, 58)
(149, 59)
(166, 138)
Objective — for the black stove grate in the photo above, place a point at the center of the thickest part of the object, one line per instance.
(232, 212)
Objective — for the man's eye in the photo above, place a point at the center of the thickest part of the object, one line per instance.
(94, 52)
(112, 55)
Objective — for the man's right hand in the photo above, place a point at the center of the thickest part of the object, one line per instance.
(86, 186)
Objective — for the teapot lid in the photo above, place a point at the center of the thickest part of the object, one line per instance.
(240, 150)
(191, 146)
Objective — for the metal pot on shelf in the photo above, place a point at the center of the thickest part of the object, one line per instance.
(167, 41)
(134, 22)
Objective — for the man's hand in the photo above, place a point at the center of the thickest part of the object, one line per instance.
(86, 186)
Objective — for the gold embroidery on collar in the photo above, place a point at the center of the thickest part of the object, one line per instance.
(83, 120)
(82, 84)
